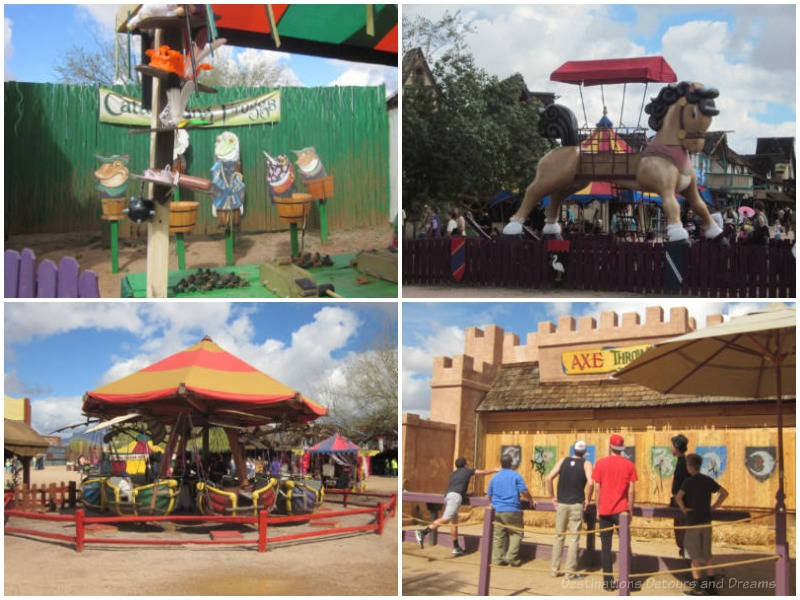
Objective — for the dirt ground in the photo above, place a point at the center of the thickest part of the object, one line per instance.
(434, 571)
(350, 564)
(201, 250)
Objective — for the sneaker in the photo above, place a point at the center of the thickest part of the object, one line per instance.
(458, 551)
(609, 585)
(555, 574)
(515, 563)
(500, 563)
(420, 538)
(572, 576)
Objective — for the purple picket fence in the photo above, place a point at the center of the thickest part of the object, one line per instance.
(600, 263)
(24, 279)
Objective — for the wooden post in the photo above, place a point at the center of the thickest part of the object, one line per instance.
(180, 250)
(167, 460)
(293, 238)
(624, 554)
(161, 145)
(236, 452)
(781, 546)
(323, 220)
(262, 531)
(73, 494)
(79, 529)
(486, 551)
(115, 246)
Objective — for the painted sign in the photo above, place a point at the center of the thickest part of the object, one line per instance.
(118, 109)
(715, 459)
(515, 452)
(607, 359)
(760, 461)
(543, 461)
(662, 462)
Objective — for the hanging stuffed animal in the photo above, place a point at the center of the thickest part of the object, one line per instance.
(227, 183)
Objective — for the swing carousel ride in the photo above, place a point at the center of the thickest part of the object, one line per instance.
(174, 403)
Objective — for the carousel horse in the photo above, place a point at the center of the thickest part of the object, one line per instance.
(680, 116)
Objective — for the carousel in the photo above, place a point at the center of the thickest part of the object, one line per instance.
(168, 410)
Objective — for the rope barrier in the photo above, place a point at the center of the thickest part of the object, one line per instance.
(613, 573)
(459, 524)
(551, 532)
(703, 525)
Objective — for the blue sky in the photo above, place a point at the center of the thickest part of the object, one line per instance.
(54, 352)
(433, 329)
(41, 32)
(747, 51)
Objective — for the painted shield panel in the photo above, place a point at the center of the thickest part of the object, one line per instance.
(760, 461)
(662, 462)
(715, 459)
(515, 452)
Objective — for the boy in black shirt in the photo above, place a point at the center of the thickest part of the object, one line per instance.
(680, 444)
(454, 496)
(694, 500)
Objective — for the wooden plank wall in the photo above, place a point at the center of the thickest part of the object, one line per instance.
(745, 490)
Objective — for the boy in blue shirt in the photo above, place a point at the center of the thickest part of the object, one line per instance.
(505, 490)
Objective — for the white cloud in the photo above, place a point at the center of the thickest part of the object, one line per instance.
(26, 321)
(358, 74)
(17, 388)
(256, 65)
(54, 412)
(8, 48)
(418, 365)
(101, 16)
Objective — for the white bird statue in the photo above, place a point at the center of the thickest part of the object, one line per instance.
(557, 267)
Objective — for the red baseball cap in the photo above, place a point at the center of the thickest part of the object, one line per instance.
(617, 442)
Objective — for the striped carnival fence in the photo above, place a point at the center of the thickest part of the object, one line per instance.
(625, 574)
(262, 522)
(601, 263)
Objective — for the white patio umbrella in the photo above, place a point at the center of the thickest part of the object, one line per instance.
(752, 356)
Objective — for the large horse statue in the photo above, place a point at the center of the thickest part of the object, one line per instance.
(680, 115)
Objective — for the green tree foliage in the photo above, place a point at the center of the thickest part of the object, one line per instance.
(471, 134)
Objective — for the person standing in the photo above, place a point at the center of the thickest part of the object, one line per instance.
(614, 476)
(454, 496)
(394, 466)
(505, 490)
(452, 225)
(575, 486)
(694, 500)
(461, 223)
(680, 444)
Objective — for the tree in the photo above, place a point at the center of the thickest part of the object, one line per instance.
(474, 136)
(365, 404)
(249, 68)
(95, 65)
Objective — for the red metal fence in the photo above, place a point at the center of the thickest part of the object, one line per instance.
(262, 521)
(602, 263)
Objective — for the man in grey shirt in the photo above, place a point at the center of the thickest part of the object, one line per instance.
(454, 496)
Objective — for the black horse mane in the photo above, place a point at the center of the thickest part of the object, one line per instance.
(657, 107)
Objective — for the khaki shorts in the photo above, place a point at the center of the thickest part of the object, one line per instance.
(452, 502)
(698, 543)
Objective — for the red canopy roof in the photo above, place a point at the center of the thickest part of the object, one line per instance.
(615, 70)
(207, 382)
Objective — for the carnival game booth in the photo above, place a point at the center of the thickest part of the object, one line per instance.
(187, 393)
(337, 459)
(189, 34)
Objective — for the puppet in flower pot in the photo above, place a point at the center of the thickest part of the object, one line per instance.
(183, 213)
(292, 207)
(112, 176)
(318, 183)
(227, 182)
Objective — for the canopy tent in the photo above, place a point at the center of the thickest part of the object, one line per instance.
(133, 455)
(615, 70)
(21, 439)
(205, 381)
(355, 32)
(335, 443)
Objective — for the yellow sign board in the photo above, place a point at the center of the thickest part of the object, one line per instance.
(607, 359)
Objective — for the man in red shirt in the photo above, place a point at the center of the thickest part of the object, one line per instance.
(613, 476)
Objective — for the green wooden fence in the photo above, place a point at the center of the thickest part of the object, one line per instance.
(52, 134)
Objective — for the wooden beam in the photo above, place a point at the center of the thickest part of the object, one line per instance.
(236, 452)
(160, 154)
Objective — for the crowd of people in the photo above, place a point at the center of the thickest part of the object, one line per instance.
(611, 482)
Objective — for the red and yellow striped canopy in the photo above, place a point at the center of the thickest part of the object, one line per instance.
(207, 382)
